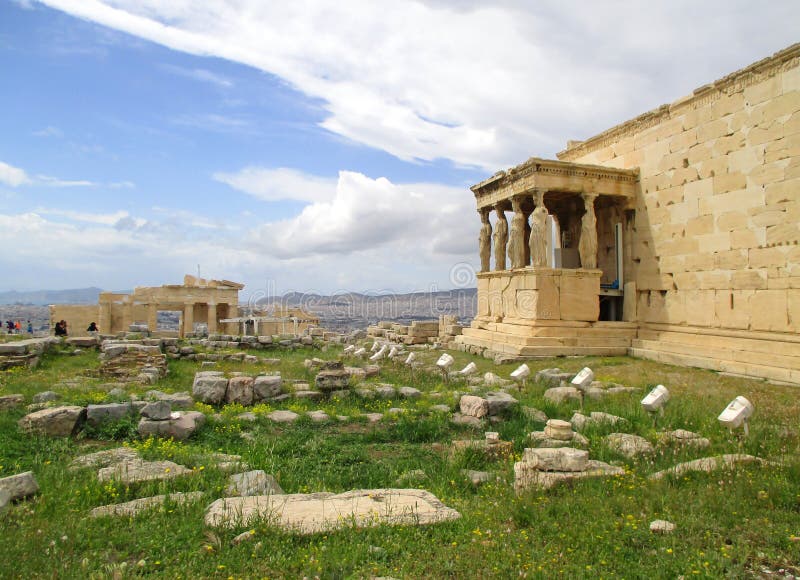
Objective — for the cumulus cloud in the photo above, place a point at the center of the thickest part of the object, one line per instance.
(279, 184)
(481, 84)
(366, 213)
(13, 176)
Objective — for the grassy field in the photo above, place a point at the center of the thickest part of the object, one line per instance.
(730, 523)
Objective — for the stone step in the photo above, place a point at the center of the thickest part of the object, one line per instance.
(695, 348)
(768, 344)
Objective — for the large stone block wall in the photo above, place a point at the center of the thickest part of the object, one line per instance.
(715, 238)
(78, 317)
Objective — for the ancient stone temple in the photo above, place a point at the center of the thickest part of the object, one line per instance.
(197, 302)
(673, 236)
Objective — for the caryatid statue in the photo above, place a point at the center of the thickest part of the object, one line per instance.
(516, 243)
(485, 240)
(587, 245)
(500, 239)
(538, 239)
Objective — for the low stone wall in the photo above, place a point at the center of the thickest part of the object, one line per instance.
(24, 353)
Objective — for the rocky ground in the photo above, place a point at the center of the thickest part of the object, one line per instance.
(315, 462)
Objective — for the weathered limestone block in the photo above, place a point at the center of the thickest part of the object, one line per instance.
(526, 476)
(283, 416)
(157, 411)
(534, 414)
(558, 429)
(208, 388)
(662, 527)
(631, 446)
(99, 414)
(332, 379)
(266, 387)
(104, 458)
(138, 470)
(11, 401)
(55, 421)
(385, 391)
(180, 428)
(20, 486)
(251, 483)
(580, 421)
(708, 464)
(409, 393)
(681, 437)
(473, 406)
(240, 390)
(500, 403)
(557, 459)
(137, 506)
(321, 512)
(181, 400)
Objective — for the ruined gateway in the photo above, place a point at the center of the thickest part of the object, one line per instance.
(672, 236)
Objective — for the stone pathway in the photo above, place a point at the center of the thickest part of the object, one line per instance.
(135, 507)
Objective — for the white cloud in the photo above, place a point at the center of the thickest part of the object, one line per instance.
(87, 217)
(199, 74)
(49, 131)
(13, 176)
(479, 84)
(365, 214)
(279, 184)
(213, 122)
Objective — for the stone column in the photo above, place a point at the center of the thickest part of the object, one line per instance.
(516, 244)
(587, 246)
(104, 316)
(527, 237)
(212, 318)
(127, 314)
(485, 240)
(538, 237)
(500, 239)
(188, 318)
(152, 317)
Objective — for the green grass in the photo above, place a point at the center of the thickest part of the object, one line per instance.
(729, 523)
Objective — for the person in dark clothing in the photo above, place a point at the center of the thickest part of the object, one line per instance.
(92, 327)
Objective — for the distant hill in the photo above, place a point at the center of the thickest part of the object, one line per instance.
(45, 297)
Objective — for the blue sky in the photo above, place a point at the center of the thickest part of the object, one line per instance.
(312, 147)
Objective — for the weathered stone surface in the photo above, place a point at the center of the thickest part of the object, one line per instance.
(182, 400)
(283, 416)
(371, 370)
(629, 445)
(45, 397)
(209, 389)
(540, 439)
(557, 459)
(138, 470)
(20, 486)
(662, 527)
(180, 428)
(320, 512)
(332, 380)
(534, 414)
(240, 390)
(477, 477)
(312, 395)
(469, 420)
(558, 429)
(560, 395)
(409, 393)
(526, 477)
(682, 438)
(99, 414)
(83, 341)
(500, 402)
(255, 482)
(267, 387)
(385, 391)
(157, 411)
(318, 416)
(708, 464)
(11, 401)
(5, 502)
(55, 421)
(473, 406)
(104, 458)
(491, 449)
(552, 377)
(137, 506)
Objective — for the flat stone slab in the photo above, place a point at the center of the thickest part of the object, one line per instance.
(708, 464)
(54, 421)
(629, 445)
(11, 401)
(20, 486)
(135, 507)
(683, 438)
(138, 470)
(283, 416)
(104, 458)
(321, 512)
(541, 439)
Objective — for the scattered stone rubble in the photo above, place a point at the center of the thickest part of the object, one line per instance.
(19, 486)
(131, 361)
(546, 467)
(558, 433)
(25, 353)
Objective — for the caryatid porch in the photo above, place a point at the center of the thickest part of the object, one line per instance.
(543, 274)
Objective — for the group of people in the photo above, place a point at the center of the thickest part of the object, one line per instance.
(15, 327)
(61, 328)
